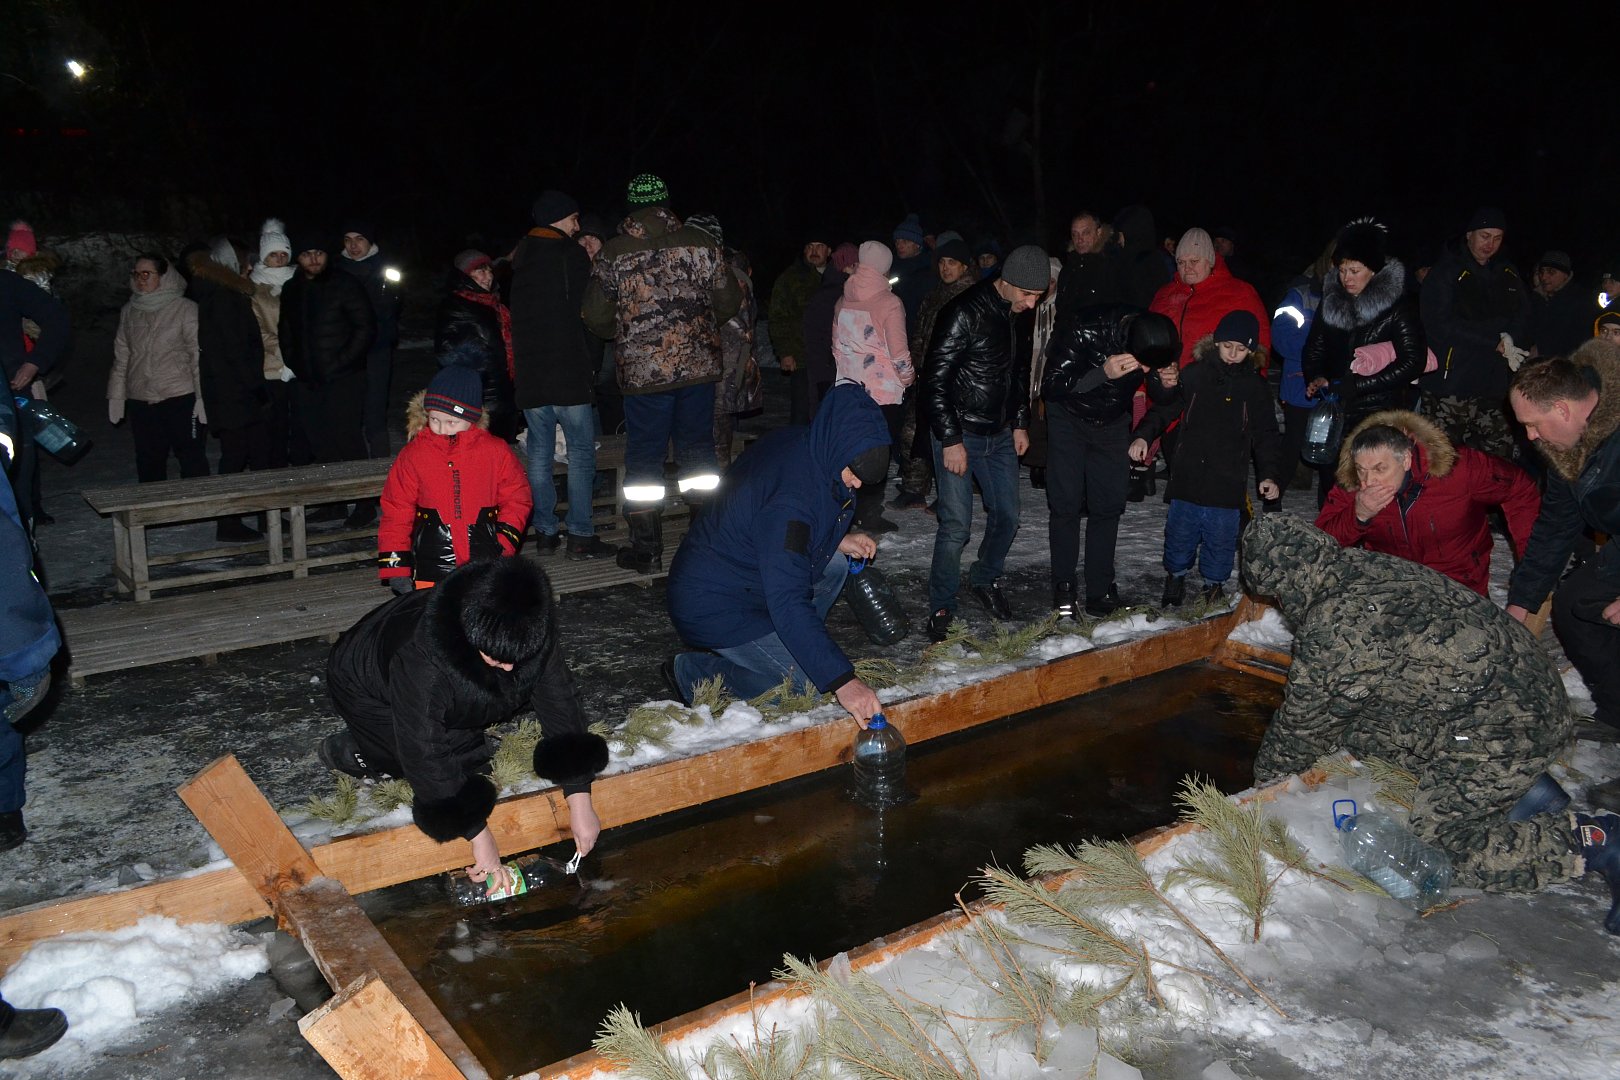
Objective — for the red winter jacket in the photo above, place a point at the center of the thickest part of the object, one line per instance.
(1439, 518)
(449, 500)
(1197, 309)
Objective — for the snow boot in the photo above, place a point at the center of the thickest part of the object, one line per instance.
(1141, 485)
(25, 1032)
(1175, 590)
(1100, 607)
(1064, 604)
(339, 752)
(12, 830)
(1599, 837)
(645, 555)
(1544, 797)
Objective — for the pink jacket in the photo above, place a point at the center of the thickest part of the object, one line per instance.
(869, 337)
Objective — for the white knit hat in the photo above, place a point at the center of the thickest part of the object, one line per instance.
(273, 237)
(1196, 244)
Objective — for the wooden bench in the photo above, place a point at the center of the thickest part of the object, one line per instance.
(122, 636)
(134, 508)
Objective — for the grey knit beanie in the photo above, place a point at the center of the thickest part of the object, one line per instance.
(1028, 268)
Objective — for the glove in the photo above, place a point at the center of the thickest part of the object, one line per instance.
(1515, 355)
(286, 374)
(198, 413)
(115, 410)
(401, 585)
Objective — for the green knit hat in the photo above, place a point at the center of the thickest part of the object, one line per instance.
(647, 190)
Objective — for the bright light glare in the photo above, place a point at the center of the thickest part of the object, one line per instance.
(76, 69)
(393, 275)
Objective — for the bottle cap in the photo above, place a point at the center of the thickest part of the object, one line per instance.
(1339, 819)
(877, 721)
(856, 565)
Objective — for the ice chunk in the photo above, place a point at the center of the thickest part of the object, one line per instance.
(1071, 1051)
(1474, 947)
(280, 1009)
(1220, 1070)
(1110, 1067)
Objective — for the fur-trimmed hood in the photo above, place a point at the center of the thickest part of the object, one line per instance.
(1208, 352)
(40, 264)
(1342, 311)
(1603, 357)
(1433, 455)
(201, 267)
(416, 416)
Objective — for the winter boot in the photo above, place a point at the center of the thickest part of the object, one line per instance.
(645, 555)
(1064, 604)
(1175, 590)
(589, 547)
(1214, 594)
(1141, 484)
(1599, 838)
(12, 830)
(339, 752)
(939, 624)
(1100, 607)
(28, 1031)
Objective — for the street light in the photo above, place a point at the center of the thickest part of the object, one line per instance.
(76, 69)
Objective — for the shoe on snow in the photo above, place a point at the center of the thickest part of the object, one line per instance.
(1599, 837)
(12, 830)
(339, 752)
(31, 1030)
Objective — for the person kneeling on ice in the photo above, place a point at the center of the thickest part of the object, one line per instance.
(418, 680)
(1393, 660)
(455, 493)
(753, 581)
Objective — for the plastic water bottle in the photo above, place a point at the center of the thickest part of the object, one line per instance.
(1380, 848)
(55, 433)
(1323, 432)
(880, 764)
(513, 878)
(876, 607)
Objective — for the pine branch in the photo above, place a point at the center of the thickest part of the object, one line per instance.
(623, 1041)
(879, 673)
(340, 806)
(713, 693)
(1395, 784)
(1240, 836)
(783, 700)
(391, 794)
(513, 762)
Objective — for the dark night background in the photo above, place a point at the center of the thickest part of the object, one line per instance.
(441, 122)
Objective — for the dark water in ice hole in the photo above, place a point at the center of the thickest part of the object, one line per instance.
(683, 910)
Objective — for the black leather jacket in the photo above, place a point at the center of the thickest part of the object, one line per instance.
(975, 382)
(1082, 340)
(1344, 323)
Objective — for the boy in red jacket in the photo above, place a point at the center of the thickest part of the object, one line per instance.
(455, 493)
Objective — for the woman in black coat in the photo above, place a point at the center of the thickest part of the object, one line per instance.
(474, 330)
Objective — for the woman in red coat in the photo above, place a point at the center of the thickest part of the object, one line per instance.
(1405, 490)
(456, 493)
(1204, 290)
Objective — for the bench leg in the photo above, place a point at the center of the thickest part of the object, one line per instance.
(272, 533)
(140, 572)
(300, 542)
(121, 569)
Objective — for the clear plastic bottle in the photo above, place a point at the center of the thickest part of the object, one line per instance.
(514, 878)
(880, 764)
(1323, 431)
(1386, 852)
(55, 433)
(876, 606)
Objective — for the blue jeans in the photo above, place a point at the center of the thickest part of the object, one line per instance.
(13, 763)
(652, 421)
(1213, 529)
(993, 464)
(756, 666)
(579, 428)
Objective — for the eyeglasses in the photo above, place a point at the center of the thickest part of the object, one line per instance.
(142, 275)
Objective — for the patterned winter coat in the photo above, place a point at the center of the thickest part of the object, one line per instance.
(740, 389)
(869, 337)
(660, 291)
(449, 500)
(1392, 660)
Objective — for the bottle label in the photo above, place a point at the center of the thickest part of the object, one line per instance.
(507, 881)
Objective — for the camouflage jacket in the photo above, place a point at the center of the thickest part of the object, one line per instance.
(660, 291)
(789, 295)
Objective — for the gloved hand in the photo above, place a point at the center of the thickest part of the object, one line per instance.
(401, 585)
(286, 374)
(1515, 355)
(115, 410)
(198, 413)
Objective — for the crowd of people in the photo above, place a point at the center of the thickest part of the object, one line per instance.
(1454, 392)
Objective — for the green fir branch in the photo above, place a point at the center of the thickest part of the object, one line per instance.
(713, 693)
(772, 1055)
(783, 700)
(513, 762)
(650, 724)
(339, 807)
(879, 673)
(1395, 784)
(391, 794)
(1241, 837)
(624, 1042)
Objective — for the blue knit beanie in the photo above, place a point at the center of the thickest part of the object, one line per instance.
(910, 229)
(457, 391)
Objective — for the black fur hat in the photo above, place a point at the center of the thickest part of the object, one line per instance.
(459, 817)
(570, 758)
(1363, 241)
(506, 609)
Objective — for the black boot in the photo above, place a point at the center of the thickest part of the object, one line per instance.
(12, 830)
(1063, 601)
(1037, 477)
(29, 1031)
(1141, 484)
(1100, 607)
(1175, 590)
(645, 555)
(1599, 838)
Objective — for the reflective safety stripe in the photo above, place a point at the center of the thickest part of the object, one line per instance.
(701, 482)
(1292, 312)
(5, 441)
(643, 492)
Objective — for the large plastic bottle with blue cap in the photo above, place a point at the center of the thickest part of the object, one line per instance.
(876, 606)
(880, 764)
(1386, 852)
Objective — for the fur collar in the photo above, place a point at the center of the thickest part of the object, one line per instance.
(447, 643)
(41, 263)
(416, 416)
(1603, 357)
(203, 268)
(1207, 351)
(1434, 456)
(1342, 311)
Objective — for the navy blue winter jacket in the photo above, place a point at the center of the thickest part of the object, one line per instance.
(750, 564)
(28, 635)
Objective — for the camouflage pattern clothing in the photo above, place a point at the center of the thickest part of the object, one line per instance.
(660, 291)
(1392, 660)
(740, 389)
(792, 291)
(918, 470)
(1472, 422)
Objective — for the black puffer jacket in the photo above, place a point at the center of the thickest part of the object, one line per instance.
(1081, 341)
(468, 334)
(415, 692)
(551, 352)
(326, 326)
(1344, 323)
(229, 345)
(371, 273)
(975, 382)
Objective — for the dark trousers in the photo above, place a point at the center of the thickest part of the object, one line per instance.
(333, 414)
(684, 416)
(379, 381)
(164, 427)
(1294, 420)
(243, 448)
(1591, 642)
(1086, 469)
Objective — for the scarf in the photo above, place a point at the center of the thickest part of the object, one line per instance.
(171, 288)
(490, 300)
(273, 276)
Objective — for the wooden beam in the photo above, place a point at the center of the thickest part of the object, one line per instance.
(522, 822)
(364, 1033)
(345, 945)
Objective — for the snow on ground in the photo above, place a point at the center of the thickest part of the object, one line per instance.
(105, 759)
